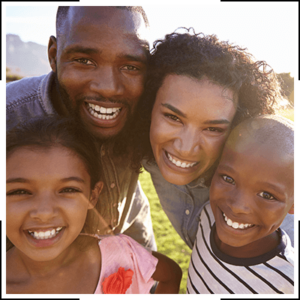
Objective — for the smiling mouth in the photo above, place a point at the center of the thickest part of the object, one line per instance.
(44, 235)
(103, 113)
(236, 225)
(180, 163)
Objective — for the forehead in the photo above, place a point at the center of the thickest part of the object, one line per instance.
(26, 161)
(208, 100)
(88, 22)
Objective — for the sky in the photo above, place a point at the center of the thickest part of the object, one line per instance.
(269, 31)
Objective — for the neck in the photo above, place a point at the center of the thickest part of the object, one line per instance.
(253, 249)
(24, 264)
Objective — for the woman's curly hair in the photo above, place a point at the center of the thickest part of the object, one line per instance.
(254, 83)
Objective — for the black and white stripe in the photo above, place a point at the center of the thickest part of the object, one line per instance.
(208, 274)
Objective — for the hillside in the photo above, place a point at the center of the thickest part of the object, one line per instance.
(25, 58)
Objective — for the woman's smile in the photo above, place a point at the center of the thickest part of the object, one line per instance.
(184, 164)
(186, 142)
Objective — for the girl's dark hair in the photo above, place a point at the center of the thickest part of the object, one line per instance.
(254, 83)
(52, 131)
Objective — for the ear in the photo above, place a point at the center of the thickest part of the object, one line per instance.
(95, 194)
(52, 52)
(291, 211)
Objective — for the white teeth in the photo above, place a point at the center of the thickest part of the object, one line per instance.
(179, 163)
(235, 225)
(43, 235)
(102, 112)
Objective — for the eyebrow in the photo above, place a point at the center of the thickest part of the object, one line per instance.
(138, 58)
(273, 187)
(81, 49)
(73, 178)
(20, 180)
(180, 113)
(23, 180)
(88, 50)
(174, 109)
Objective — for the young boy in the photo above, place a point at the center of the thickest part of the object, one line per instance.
(240, 248)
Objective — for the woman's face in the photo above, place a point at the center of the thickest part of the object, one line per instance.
(190, 122)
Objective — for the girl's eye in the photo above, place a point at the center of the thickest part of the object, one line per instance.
(266, 195)
(18, 193)
(172, 117)
(228, 179)
(70, 190)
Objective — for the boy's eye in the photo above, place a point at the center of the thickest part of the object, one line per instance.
(228, 179)
(18, 193)
(214, 129)
(266, 195)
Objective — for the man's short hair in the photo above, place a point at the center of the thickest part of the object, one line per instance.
(62, 13)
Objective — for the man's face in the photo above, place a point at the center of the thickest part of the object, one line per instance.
(101, 67)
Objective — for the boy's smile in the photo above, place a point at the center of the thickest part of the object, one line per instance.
(250, 195)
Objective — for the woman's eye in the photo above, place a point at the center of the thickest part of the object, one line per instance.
(172, 117)
(266, 195)
(18, 193)
(228, 179)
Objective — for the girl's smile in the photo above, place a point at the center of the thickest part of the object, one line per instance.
(48, 196)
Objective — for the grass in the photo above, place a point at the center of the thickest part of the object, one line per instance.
(167, 240)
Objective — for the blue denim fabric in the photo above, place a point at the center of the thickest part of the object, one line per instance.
(183, 203)
(128, 209)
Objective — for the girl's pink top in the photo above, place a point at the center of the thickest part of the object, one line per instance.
(122, 251)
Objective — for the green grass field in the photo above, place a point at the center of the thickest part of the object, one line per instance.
(167, 239)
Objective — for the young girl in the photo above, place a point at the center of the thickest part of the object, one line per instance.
(53, 184)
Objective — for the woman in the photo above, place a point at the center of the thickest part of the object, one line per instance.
(198, 89)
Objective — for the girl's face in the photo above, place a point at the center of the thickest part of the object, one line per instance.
(47, 198)
(190, 122)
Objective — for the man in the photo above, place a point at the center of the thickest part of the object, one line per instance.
(98, 62)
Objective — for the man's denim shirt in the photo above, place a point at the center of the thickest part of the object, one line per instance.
(183, 203)
(29, 98)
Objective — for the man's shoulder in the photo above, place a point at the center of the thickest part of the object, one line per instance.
(22, 90)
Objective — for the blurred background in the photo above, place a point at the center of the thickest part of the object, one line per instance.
(268, 30)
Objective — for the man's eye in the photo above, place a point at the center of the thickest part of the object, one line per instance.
(228, 179)
(84, 61)
(266, 195)
(130, 68)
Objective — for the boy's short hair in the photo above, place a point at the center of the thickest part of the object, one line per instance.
(267, 129)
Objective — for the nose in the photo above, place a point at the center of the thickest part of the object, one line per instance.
(44, 208)
(240, 202)
(106, 81)
(188, 143)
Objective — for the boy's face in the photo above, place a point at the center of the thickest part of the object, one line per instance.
(251, 193)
